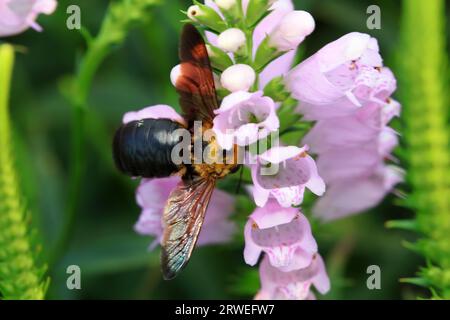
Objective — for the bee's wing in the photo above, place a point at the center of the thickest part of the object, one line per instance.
(183, 218)
(195, 85)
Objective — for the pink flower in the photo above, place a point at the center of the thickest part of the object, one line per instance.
(18, 15)
(353, 195)
(346, 89)
(244, 118)
(340, 78)
(292, 285)
(284, 234)
(351, 153)
(283, 173)
(159, 111)
(152, 195)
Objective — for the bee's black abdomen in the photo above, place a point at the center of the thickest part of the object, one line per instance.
(143, 148)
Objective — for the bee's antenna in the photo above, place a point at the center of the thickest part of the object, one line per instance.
(238, 187)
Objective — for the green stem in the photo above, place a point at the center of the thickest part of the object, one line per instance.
(96, 53)
(20, 276)
(119, 19)
(424, 91)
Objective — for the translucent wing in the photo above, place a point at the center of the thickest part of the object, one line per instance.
(195, 85)
(183, 217)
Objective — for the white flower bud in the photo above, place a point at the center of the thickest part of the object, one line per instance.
(225, 4)
(239, 77)
(292, 30)
(174, 74)
(231, 40)
(193, 12)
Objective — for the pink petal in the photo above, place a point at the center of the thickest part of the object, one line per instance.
(293, 284)
(298, 259)
(309, 85)
(154, 192)
(260, 195)
(293, 168)
(338, 132)
(350, 47)
(315, 182)
(272, 215)
(217, 227)
(149, 223)
(280, 8)
(356, 195)
(18, 15)
(278, 67)
(283, 233)
(251, 250)
(280, 154)
(154, 112)
(289, 196)
(235, 120)
(346, 163)
(45, 6)
(337, 79)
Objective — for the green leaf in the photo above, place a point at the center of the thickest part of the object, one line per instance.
(403, 224)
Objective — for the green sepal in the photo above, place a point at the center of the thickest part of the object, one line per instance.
(265, 55)
(209, 18)
(219, 59)
(256, 11)
(234, 14)
(276, 89)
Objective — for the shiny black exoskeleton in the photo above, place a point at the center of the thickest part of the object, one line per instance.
(143, 147)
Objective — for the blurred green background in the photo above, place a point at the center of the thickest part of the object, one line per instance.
(114, 259)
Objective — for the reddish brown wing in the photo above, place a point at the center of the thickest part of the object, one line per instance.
(183, 218)
(195, 84)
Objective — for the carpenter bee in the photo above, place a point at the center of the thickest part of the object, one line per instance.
(143, 149)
